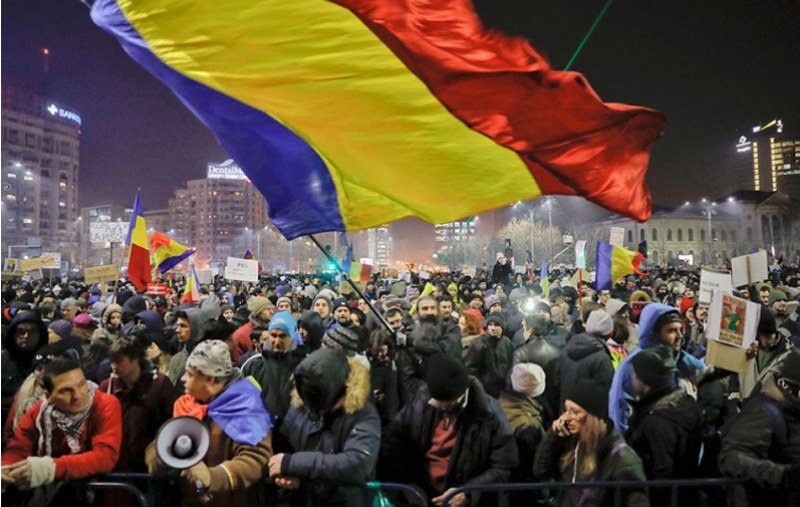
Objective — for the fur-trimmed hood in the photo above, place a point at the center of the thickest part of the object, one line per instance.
(336, 379)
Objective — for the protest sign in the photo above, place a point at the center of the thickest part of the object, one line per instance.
(580, 254)
(747, 269)
(245, 270)
(108, 232)
(617, 236)
(26, 265)
(714, 279)
(56, 256)
(10, 265)
(204, 276)
(100, 273)
(732, 328)
(157, 289)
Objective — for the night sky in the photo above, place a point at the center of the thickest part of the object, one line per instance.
(713, 68)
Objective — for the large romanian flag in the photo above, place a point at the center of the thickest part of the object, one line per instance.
(139, 253)
(348, 114)
(167, 252)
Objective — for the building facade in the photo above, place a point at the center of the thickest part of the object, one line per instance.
(221, 215)
(40, 170)
(773, 157)
(101, 233)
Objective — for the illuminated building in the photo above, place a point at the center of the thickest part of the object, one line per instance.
(774, 156)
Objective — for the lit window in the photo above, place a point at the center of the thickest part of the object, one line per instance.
(12, 175)
(62, 204)
(10, 197)
(28, 177)
(27, 220)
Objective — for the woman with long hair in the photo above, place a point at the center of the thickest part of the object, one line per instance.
(469, 323)
(582, 446)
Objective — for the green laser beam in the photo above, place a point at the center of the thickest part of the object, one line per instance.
(588, 34)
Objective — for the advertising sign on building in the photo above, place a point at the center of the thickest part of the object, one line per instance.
(227, 170)
(108, 232)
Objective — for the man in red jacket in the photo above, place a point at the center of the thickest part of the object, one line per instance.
(74, 433)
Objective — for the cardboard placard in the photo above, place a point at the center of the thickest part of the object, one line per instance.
(44, 261)
(727, 357)
(732, 320)
(56, 256)
(617, 236)
(100, 273)
(711, 280)
(245, 270)
(747, 269)
(10, 265)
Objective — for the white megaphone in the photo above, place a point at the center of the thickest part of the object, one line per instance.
(182, 442)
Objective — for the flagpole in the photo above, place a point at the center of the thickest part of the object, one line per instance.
(354, 286)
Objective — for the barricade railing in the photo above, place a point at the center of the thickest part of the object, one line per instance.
(616, 486)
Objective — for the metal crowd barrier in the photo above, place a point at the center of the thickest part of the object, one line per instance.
(616, 486)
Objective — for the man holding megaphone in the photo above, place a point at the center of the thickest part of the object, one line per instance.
(239, 437)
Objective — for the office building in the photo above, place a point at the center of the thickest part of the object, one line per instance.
(773, 157)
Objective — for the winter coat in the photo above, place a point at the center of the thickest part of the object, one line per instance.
(539, 350)
(527, 418)
(489, 360)
(665, 431)
(17, 364)
(622, 392)
(145, 407)
(759, 447)
(501, 273)
(616, 461)
(484, 453)
(556, 335)
(101, 439)
(341, 443)
(587, 357)
(385, 391)
(177, 363)
(273, 371)
(764, 364)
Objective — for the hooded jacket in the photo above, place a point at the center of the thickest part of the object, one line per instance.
(585, 356)
(312, 323)
(17, 364)
(485, 451)
(177, 364)
(539, 350)
(489, 359)
(622, 393)
(665, 431)
(338, 439)
(102, 331)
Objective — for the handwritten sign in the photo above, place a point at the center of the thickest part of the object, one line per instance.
(44, 261)
(100, 273)
(245, 270)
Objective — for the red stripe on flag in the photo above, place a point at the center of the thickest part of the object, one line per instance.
(139, 272)
(572, 142)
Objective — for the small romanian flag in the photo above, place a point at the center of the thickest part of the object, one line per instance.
(360, 272)
(544, 283)
(139, 254)
(191, 292)
(249, 256)
(167, 252)
(613, 263)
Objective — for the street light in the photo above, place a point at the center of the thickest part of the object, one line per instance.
(531, 212)
(550, 202)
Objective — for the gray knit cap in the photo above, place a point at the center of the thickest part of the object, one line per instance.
(342, 338)
(212, 358)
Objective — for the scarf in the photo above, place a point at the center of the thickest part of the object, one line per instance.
(71, 425)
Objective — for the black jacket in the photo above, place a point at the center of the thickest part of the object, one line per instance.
(485, 451)
(539, 350)
(585, 356)
(759, 447)
(616, 461)
(665, 430)
(489, 359)
(273, 371)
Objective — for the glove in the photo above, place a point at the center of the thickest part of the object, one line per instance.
(43, 471)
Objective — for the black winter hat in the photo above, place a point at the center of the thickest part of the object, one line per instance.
(590, 396)
(667, 318)
(655, 366)
(447, 377)
(790, 366)
(497, 320)
(767, 324)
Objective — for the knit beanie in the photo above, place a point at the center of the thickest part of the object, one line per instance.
(491, 301)
(61, 327)
(655, 366)
(327, 301)
(283, 299)
(590, 396)
(211, 358)
(600, 324)
(342, 338)
(776, 295)
(686, 303)
(496, 320)
(258, 304)
(767, 324)
(447, 377)
(83, 321)
(528, 379)
(667, 318)
(286, 322)
(790, 366)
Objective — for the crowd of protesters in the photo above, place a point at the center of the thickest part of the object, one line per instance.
(438, 383)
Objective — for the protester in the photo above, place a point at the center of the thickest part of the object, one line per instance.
(110, 325)
(191, 325)
(586, 355)
(261, 310)
(526, 414)
(25, 335)
(489, 357)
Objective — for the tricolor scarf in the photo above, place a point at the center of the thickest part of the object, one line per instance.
(71, 424)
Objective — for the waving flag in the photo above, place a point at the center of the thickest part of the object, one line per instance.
(139, 253)
(167, 252)
(249, 256)
(350, 114)
(544, 282)
(614, 262)
(191, 293)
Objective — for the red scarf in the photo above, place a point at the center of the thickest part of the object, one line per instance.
(188, 405)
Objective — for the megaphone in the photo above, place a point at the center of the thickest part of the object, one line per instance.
(182, 442)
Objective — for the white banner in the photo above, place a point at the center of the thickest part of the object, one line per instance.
(711, 280)
(749, 269)
(108, 232)
(580, 254)
(56, 256)
(245, 270)
(617, 236)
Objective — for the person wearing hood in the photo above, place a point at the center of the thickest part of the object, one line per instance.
(538, 350)
(25, 335)
(765, 355)
(311, 331)
(582, 445)
(762, 446)
(666, 423)
(130, 308)
(190, 329)
(261, 311)
(226, 312)
(489, 357)
(332, 428)
(586, 355)
(777, 303)
(274, 366)
(452, 434)
(239, 426)
(211, 305)
(146, 398)
(527, 414)
(110, 323)
(150, 320)
(659, 324)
